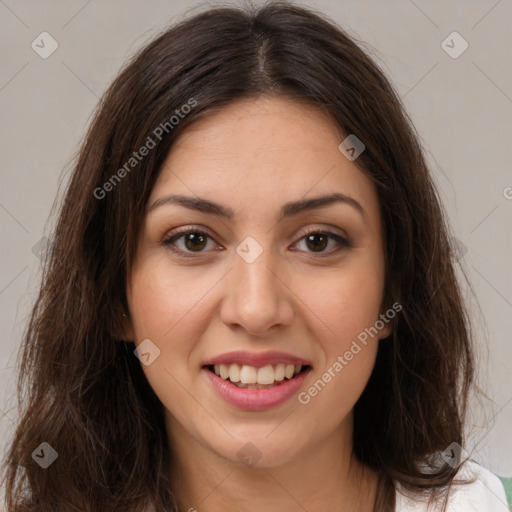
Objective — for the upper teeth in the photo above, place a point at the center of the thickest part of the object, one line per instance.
(252, 375)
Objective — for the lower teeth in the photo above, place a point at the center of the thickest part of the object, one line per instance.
(256, 386)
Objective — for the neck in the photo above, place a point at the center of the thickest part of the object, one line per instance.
(316, 480)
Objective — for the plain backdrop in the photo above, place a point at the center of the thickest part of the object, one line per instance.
(460, 100)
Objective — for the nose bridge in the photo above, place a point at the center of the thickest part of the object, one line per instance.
(258, 299)
(256, 277)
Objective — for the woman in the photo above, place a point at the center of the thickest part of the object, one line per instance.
(249, 301)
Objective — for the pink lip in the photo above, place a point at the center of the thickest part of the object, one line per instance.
(257, 359)
(256, 399)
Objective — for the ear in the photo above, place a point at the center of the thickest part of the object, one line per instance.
(387, 329)
(122, 328)
(388, 318)
(127, 327)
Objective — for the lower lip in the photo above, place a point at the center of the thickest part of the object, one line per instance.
(256, 399)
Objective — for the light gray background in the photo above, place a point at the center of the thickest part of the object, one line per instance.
(461, 107)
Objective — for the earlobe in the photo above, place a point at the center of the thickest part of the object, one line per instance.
(385, 324)
(127, 328)
(124, 329)
(387, 316)
(385, 332)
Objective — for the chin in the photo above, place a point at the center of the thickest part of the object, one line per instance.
(257, 449)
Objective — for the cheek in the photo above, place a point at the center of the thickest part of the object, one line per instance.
(172, 307)
(159, 303)
(346, 308)
(346, 301)
(344, 305)
(166, 308)
(161, 298)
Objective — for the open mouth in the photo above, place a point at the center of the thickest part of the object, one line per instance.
(251, 377)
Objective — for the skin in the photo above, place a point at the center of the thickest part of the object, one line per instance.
(253, 156)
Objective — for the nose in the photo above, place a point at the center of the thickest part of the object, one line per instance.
(257, 297)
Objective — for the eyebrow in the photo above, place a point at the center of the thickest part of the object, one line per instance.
(288, 210)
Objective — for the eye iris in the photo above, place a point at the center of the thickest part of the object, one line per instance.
(317, 246)
(197, 240)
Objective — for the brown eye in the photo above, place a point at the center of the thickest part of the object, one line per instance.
(195, 241)
(189, 242)
(319, 241)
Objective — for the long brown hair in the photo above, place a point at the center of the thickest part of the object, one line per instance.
(82, 390)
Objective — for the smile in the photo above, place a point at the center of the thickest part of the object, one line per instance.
(256, 381)
(250, 377)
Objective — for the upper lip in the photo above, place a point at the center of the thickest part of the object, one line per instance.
(257, 359)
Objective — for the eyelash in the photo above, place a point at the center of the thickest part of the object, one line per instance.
(169, 240)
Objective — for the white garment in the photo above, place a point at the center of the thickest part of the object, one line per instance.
(485, 494)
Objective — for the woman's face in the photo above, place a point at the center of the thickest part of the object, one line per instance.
(251, 288)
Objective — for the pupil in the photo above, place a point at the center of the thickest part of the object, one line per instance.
(316, 246)
(195, 241)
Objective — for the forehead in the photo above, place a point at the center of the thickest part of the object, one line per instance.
(261, 152)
